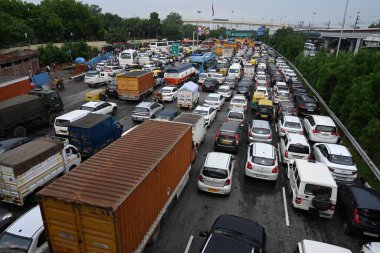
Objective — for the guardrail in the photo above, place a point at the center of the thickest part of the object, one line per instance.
(356, 145)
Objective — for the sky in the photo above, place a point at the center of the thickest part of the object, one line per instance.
(276, 11)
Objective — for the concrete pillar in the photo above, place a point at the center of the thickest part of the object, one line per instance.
(358, 45)
(352, 46)
(327, 44)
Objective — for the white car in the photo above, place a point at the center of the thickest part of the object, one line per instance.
(261, 77)
(263, 90)
(216, 173)
(215, 100)
(207, 112)
(100, 107)
(321, 129)
(281, 96)
(261, 161)
(169, 93)
(309, 246)
(294, 146)
(371, 247)
(289, 124)
(238, 116)
(238, 102)
(262, 83)
(225, 91)
(338, 159)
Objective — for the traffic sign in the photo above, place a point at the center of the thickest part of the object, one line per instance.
(175, 49)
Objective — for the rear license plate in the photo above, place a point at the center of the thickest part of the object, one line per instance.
(226, 142)
(371, 234)
(264, 116)
(309, 110)
(212, 190)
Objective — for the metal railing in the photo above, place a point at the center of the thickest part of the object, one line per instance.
(356, 145)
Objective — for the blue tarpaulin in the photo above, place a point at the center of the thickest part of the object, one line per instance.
(80, 60)
(41, 79)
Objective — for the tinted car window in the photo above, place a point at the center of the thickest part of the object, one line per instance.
(141, 109)
(292, 124)
(235, 115)
(296, 148)
(340, 159)
(329, 129)
(258, 130)
(263, 161)
(215, 173)
(312, 189)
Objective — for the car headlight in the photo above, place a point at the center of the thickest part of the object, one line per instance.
(7, 216)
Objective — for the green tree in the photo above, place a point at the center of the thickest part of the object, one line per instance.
(375, 25)
(172, 26)
(153, 25)
(188, 30)
(217, 33)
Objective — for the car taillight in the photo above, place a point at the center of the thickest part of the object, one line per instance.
(275, 170)
(250, 133)
(280, 109)
(270, 136)
(316, 131)
(228, 182)
(286, 154)
(298, 200)
(335, 133)
(308, 157)
(294, 109)
(354, 172)
(282, 130)
(301, 132)
(249, 165)
(200, 178)
(302, 107)
(331, 169)
(332, 207)
(236, 137)
(356, 216)
(245, 107)
(257, 113)
(217, 134)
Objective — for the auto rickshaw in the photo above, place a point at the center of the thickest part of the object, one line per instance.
(265, 109)
(258, 95)
(96, 95)
(252, 61)
(158, 76)
(223, 71)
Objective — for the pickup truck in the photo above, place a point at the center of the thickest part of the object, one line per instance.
(95, 79)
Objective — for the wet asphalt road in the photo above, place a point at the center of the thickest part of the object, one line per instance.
(257, 200)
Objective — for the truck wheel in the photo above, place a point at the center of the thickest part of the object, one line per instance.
(114, 111)
(52, 118)
(19, 131)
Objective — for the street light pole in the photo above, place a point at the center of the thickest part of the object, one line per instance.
(312, 23)
(341, 30)
(199, 12)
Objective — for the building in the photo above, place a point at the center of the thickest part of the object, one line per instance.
(17, 63)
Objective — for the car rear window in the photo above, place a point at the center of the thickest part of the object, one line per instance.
(293, 125)
(371, 214)
(62, 122)
(141, 109)
(263, 161)
(227, 134)
(259, 130)
(235, 115)
(329, 129)
(238, 101)
(312, 189)
(341, 159)
(215, 173)
(212, 98)
(297, 148)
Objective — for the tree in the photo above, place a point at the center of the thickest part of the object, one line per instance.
(172, 26)
(217, 33)
(375, 25)
(153, 25)
(188, 30)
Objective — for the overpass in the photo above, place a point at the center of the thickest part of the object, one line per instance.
(227, 23)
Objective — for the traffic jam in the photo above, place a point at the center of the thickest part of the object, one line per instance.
(174, 147)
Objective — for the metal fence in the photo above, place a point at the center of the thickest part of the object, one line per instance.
(356, 145)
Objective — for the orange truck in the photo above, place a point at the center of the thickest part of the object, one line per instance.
(11, 87)
(115, 200)
(134, 85)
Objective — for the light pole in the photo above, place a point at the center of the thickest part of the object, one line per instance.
(341, 30)
(312, 23)
(232, 16)
(199, 14)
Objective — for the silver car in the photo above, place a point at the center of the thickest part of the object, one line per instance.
(259, 131)
(146, 110)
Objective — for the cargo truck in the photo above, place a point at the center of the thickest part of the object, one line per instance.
(188, 95)
(115, 201)
(14, 86)
(93, 132)
(198, 126)
(135, 85)
(20, 113)
(29, 167)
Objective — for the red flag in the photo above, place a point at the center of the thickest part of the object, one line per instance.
(212, 7)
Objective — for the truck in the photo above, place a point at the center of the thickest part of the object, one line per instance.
(249, 70)
(29, 167)
(93, 132)
(116, 200)
(14, 86)
(188, 95)
(95, 79)
(135, 85)
(23, 112)
(228, 52)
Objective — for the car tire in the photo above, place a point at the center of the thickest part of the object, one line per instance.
(321, 203)
(114, 111)
(346, 228)
(19, 131)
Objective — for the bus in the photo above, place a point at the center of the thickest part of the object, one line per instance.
(180, 74)
(202, 62)
(127, 57)
(159, 46)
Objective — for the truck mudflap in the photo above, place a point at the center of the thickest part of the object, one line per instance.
(176, 193)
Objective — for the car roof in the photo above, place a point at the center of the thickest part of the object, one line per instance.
(337, 149)
(286, 103)
(297, 138)
(28, 224)
(318, 247)
(217, 160)
(11, 143)
(74, 114)
(260, 123)
(144, 104)
(365, 197)
(167, 112)
(93, 103)
(168, 87)
(289, 118)
(240, 225)
(213, 95)
(223, 243)
(323, 120)
(231, 126)
(202, 107)
(224, 87)
(263, 150)
(315, 173)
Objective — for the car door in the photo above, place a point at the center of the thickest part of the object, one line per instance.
(320, 153)
(175, 93)
(107, 108)
(222, 100)
(99, 109)
(41, 245)
(212, 113)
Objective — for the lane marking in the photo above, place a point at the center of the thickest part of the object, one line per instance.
(189, 244)
(285, 207)
(275, 125)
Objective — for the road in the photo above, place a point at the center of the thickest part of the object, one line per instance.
(257, 200)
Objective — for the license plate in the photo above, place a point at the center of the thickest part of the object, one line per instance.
(371, 234)
(226, 142)
(212, 190)
(309, 110)
(264, 116)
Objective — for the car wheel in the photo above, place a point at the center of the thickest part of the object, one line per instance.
(114, 111)
(52, 118)
(321, 202)
(346, 228)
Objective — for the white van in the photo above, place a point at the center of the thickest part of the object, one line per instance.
(61, 122)
(127, 57)
(235, 70)
(309, 246)
(26, 234)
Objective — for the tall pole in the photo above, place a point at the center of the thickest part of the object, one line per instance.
(312, 23)
(341, 30)
(199, 12)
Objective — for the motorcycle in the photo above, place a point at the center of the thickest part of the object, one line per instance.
(58, 84)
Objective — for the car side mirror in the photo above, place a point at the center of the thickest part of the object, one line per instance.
(203, 233)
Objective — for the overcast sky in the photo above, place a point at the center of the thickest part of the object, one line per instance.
(286, 11)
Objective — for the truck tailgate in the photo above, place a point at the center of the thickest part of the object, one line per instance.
(129, 86)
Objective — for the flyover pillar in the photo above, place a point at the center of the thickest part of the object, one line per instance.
(358, 45)
(352, 45)
(327, 44)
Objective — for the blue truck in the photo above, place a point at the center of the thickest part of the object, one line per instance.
(93, 132)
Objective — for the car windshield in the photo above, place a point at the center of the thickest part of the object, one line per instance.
(329, 129)
(312, 189)
(91, 74)
(288, 109)
(238, 101)
(283, 93)
(234, 71)
(13, 243)
(141, 109)
(235, 115)
(211, 98)
(87, 108)
(200, 112)
(125, 56)
(259, 130)
(229, 79)
(341, 159)
(293, 125)
(165, 117)
(62, 122)
(223, 90)
(203, 75)
(298, 148)
(165, 91)
(215, 173)
(262, 161)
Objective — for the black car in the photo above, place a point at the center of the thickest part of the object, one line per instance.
(168, 114)
(244, 88)
(9, 144)
(210, 84)
(306, 105)
(231, 233)
(230, 81)
(228, 137)
(285, 108)
(359, 208)
(298, 92)
(111, 89)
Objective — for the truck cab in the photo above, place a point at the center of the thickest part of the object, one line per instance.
(50, 99)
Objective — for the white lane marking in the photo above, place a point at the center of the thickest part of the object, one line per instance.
(285, 207)
(189, 244)
(275, 125)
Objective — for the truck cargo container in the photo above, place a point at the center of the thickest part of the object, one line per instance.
(24, 112)
(135, 85)
(198, 126)
(29, 167)
(188, 95)
(12, 86)
(114, 201)
(93, 132)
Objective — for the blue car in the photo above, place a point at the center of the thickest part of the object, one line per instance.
(168, 114)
